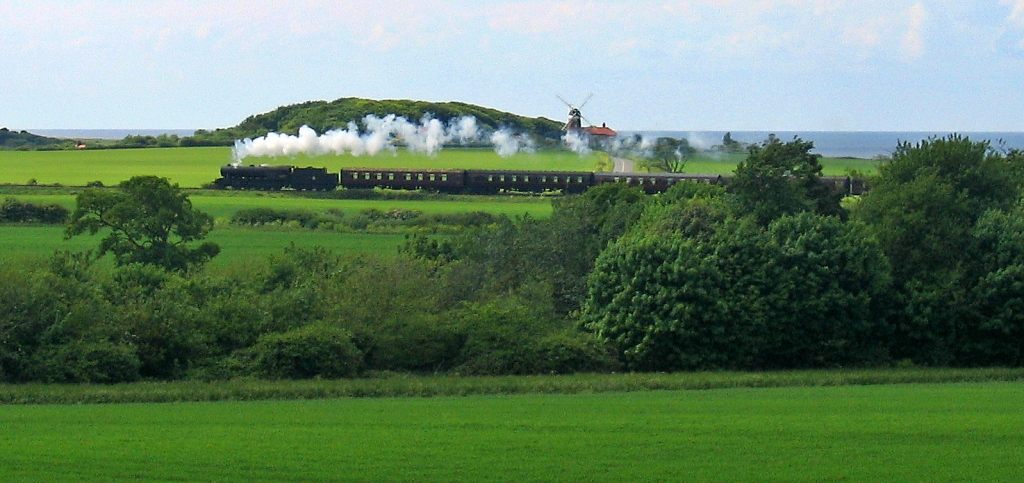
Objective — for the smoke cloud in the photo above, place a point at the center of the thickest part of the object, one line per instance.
(578, 144)
(382, 134)
(507, 143)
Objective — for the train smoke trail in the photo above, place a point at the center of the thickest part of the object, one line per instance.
(578, 144)
(507, 143)
(382, 134)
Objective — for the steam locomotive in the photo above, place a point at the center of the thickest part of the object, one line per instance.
(471, 181)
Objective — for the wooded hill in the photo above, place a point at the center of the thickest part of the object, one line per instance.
(324, 116)
(25, 140)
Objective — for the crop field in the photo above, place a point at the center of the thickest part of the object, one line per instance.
(239, 245)
(223, 204)
(908, 433)
(726, 164)
(194, 167)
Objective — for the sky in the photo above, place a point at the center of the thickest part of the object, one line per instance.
(763, 65)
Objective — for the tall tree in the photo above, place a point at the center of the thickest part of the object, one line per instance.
(150, 221)
(779, 179)
(670, 154)
(924, 208)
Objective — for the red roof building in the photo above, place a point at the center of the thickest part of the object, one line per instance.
(604, 130)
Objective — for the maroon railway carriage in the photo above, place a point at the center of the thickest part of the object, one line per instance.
(655, 182)
(403, 179)
(494, 181)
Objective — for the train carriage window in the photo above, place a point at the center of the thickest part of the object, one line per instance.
(501, 178)
(543, 179)
(629, 180)
(444, 176)
(355, 175)
(515, 178)
(419, 176)
(391, 176)
(526, 178)
(490, 178)
(554, 179)
(433, 177)
(366, 176)
(408, 176)
(579, 179)
(380, 176)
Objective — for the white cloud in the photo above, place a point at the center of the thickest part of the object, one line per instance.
(1017, 12)
(913, 41)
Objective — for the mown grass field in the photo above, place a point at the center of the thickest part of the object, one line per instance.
(908, 433)
(238, 245)
(241, 244)
(194, 167)
(223, 204)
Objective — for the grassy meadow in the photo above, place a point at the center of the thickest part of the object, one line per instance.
(239, 245)
(908, 432)
(194, 167)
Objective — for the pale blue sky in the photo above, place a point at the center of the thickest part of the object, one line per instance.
(779, 65)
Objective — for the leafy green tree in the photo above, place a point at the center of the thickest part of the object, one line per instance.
(149, 221)
(779, 179)
(694, 288)
(670, 154)
(924, 207)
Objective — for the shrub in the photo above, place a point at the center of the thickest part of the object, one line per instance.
(86, 362)
(13, 210)
(316, 350)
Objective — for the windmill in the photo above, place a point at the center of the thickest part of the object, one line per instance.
(576, 118)
(575, 122)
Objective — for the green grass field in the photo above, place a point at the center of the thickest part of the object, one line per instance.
(238, 245)
(907, 433)
(194, 167)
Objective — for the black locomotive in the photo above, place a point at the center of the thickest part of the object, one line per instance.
(473, 181)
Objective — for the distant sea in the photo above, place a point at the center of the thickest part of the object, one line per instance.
(839, 144)
(835, 144)
(107, 133)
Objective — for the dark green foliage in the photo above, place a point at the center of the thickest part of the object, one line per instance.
(927, 197)
(14, 211)
(324, 116)
(779, 179)
(955, 277)
(693, 288)
(92, 362)
(316, 350)
(670, 154)
(370, 219)
(25, 140)
(148, 220)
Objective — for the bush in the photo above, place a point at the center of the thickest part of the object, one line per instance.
(16, 211)
(86, 362)
(316, 350)
(573, 352)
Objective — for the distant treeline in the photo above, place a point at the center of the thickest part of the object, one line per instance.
(24, 140)
(319, 115)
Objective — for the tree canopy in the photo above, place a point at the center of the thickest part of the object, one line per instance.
(150, 221)
(323, 116)
(780, 178)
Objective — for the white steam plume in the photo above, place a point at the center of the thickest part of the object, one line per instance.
(507, 143)
(578, 144)
(382, 134)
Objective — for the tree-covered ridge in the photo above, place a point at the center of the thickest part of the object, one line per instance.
(25, 140)
(324, 116)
